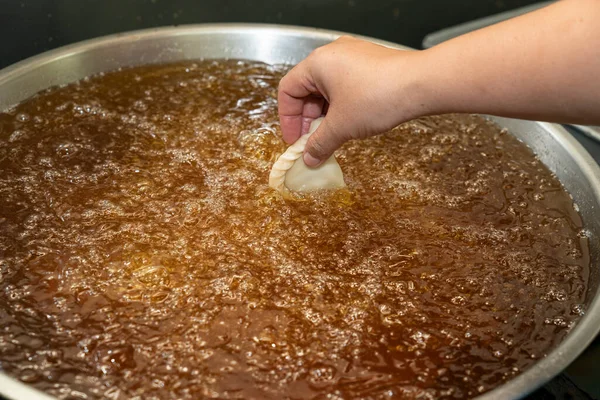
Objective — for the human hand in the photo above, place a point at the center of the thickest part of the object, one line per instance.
(364, 88)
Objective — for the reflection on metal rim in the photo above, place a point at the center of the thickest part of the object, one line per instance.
(590, 131)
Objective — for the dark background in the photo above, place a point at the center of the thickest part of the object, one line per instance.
(29, 27)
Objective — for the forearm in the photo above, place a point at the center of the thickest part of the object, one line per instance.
(544, 65)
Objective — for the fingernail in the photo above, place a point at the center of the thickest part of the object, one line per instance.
(310, 160)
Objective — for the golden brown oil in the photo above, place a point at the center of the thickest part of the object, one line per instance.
(142, 254)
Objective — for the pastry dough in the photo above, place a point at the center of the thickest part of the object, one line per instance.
(289, 173)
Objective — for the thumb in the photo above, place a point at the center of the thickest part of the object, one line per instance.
(328, 137)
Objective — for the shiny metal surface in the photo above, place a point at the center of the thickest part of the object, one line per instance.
(281, 44)
(590, 131)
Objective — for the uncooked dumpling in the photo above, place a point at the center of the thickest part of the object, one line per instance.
(289, 173)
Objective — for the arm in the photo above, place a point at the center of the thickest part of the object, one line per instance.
(544, 65)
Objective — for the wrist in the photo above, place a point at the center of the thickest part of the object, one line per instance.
(417, 90)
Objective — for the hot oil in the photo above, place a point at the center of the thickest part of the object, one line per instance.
(142, 254)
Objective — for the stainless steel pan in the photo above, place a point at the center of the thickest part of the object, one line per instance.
(281, 44)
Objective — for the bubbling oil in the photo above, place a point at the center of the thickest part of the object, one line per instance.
(143, 256)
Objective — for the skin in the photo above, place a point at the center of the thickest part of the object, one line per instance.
(541, 66)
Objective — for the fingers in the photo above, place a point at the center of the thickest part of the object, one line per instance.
(313, 109)
(330, 135)
(299, 102)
